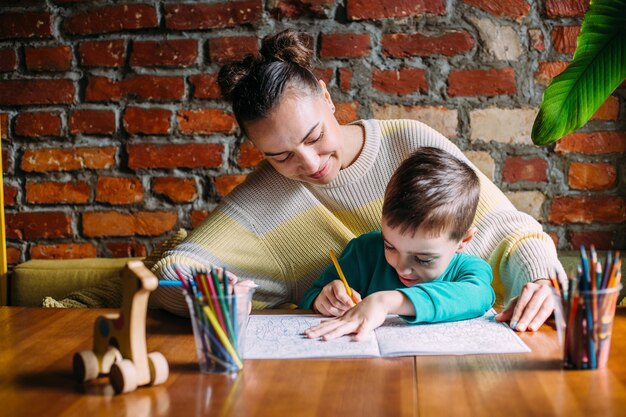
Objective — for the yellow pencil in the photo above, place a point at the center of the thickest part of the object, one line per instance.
(343, 278)
(222, 336)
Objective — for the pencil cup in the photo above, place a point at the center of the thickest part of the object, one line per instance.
(589, 324)
(219, 327)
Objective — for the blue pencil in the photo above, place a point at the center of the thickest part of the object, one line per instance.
(170, 283)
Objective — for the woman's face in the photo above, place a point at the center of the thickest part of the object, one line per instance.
(301, 138)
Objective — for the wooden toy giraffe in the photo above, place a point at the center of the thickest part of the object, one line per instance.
(119, 340)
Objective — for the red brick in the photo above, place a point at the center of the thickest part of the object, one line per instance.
(249, 155)
(143, 223)
(346, 112)
(25, 24)
(535, 37)
(126, 249)
(555, 238)
(42, 160)
(225, 183)
(115, 18)
(155, 223)
(191, 155)
(183, 16)
(4, 125)
(515, 9)
(109, 223)
(205, 86)
(324, 74)
(53, 192)
(564, 38)
(107, 54)
(10, 195)
(294, 9)
(609, 110)
(602, 209)
(63, 251)
(594, 143)
(94, 122)
(491, 82)
(566, 8)
(548, 70)
(119, 190)
(197, 217)
(231, 48)
(345, 78)
(592, 176)
(141, 87)
(165, 53)
(147, 87)
(38, 225)
(403, 45)
(37, 124)
(39, 91)
(177, 190)
(521, 169)
(55, 58)
(368, 9)
(601, 239)
(205, 121)
(402, 81)
(8, 61)
(5, 162)
(345, 45)
(148, 121)
(14, 255)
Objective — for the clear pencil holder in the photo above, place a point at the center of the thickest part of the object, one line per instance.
(586, 325)
(219, 329)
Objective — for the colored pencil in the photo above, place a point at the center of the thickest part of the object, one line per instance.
(342, 276)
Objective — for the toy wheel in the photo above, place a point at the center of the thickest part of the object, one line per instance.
(85, 365)
(159, 369)
(111, 356)
(123, 376)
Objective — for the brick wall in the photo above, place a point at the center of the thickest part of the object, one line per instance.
(117, 134)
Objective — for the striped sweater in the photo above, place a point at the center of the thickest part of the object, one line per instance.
(278, 231)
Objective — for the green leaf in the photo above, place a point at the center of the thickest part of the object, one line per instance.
(598, 67)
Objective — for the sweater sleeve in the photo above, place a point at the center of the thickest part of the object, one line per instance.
(224, 239)
(463, 293)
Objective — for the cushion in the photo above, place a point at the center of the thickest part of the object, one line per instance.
(108, 293)
(33, 280)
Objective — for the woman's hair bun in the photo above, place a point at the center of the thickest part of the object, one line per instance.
(288, 46)
(231, 73)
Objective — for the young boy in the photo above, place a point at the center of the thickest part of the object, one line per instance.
(414, 267)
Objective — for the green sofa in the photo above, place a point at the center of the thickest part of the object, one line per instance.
(33, 280)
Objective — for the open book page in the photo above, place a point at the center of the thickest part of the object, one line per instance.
(475, 336)
(282, 337)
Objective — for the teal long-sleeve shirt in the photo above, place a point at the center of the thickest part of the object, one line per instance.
(462, 292)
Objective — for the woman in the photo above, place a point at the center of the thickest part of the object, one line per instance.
(322, 184)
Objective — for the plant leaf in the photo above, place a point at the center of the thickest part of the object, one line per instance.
(598, 67)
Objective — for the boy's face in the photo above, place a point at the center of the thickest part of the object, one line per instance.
(419, 258)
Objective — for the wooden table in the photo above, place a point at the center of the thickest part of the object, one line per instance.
(36, 347)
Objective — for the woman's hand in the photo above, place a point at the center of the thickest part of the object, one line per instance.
(334, 300)
(361, 320)
(531, 308)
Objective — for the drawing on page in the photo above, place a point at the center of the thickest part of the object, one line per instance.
(479, 335)
(275, 336)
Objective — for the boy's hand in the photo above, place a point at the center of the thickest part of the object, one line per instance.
(361, 320)
(333, 300)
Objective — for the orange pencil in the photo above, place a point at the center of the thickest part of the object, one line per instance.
(343, 278)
